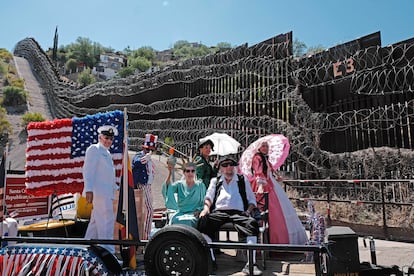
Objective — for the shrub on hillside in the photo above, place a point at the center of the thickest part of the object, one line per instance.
(11, 69)
(9, 78)
(126, 71)
(5, 126)
(14, 96)
(3, 68)
(140, 63)
(17, 82)
(5, 55)
(85, 78)
(32, 117)
(71, 65)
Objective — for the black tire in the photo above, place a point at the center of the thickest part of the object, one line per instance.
(177, 248)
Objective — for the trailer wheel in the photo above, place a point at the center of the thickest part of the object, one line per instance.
(177, 250)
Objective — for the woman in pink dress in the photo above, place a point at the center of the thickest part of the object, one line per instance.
(284, 224)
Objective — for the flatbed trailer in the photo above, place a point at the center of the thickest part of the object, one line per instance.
(173, 250)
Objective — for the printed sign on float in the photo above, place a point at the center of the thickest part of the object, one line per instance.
(22, 204)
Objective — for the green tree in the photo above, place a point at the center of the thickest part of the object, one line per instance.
(71, 65)
(62, 56)
(315, 49)
(181, 43)
(185, 50)
(125, 72)
(13, 96)
(32, 117)
(222, 46)
(140, 63)
(86, 78)
(83, 52)
(86, 52)
(145, 52)
(299, 47)
(201, 50)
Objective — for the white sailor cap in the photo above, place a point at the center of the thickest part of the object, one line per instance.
(108, 130)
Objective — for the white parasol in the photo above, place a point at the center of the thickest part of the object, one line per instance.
(223, 144)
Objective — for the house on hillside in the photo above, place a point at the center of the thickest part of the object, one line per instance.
(164, 56)
(109, 64)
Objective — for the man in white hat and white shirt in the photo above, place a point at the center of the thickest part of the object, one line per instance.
(100, 185)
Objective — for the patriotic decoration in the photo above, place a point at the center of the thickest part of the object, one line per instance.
(56, 151)
(62, 203)
(53, 260)
(316, 222)
(150, 141)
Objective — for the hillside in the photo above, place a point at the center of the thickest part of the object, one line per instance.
(36, 103)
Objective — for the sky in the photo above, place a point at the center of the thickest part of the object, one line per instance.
(160, 23)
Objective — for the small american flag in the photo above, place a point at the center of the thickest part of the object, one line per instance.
(56, 151)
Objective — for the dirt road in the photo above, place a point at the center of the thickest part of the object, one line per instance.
(36, 102)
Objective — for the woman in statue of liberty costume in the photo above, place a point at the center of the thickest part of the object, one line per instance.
(186, 196)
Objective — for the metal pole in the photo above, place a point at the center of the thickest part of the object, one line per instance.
(328, 190)
(250, 259)
(125, 205)
(372, 250)
(384, 214)
(317, 259)
(4, 172)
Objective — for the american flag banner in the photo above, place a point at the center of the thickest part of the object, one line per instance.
(56, 151)
(54, 260)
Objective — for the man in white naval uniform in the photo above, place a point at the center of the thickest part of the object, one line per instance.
(100, 185)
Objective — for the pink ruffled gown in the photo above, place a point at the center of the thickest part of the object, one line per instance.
(284, 224)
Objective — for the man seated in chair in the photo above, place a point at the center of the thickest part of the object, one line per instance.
(229, 198)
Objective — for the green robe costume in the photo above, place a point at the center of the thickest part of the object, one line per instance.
(188, 201)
